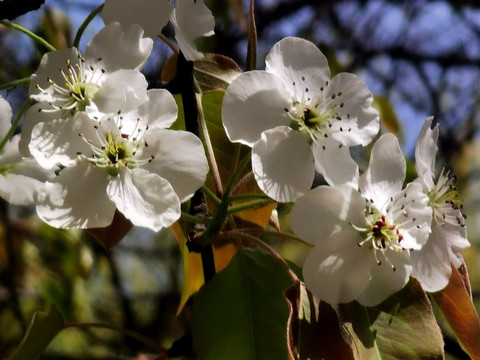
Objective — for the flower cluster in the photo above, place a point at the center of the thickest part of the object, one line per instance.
(369, 232)
(105, 136)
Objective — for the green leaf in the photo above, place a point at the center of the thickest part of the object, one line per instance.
(456, 305)
(402, 327)
(215, 72)
(241, 313)
(43, 328)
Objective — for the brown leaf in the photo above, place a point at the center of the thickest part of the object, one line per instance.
(112, 234)
(456, 304)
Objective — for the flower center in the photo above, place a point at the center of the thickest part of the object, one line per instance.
(82, 81)
(115, 150)
(314, 113)
(443, 200)
(381, 234)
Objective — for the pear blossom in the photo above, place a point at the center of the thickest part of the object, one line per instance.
(362, 239)
(104, 80)
(432, 264)
(191, 19)
(20, 178)
(127, 161)
(298, 120)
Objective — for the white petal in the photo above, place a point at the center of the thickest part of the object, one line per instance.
(49, 69)
(334, 162)
(360, 120)
(254, 102)
(77, 198)
(425, 152)
(282, 163)
(160, 110)
(337, 270)
(5, 117)
(19, 189)
(386, 171)
(33, 116)
(58, 142)
(456, 239)
(431, 264)
(384, 281)
(325, 210)
(413, 215)
(179, 158)
(120, 48)
(298, 61)
(191, 19)
(152, 16)
(145, 198)
(122, 90)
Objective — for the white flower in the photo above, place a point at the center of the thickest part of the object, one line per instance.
(129, 162)
(190, 18)
(20, 179)
(431, 265)
(104, 80)
(298, 120)
(151, 15)
(363, 239)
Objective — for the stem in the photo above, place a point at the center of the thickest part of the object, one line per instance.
(84, 25)
(143, 339)
(15, 123)
(170, 44)
(249, 205)
(15, 83)
(196, 219)
(244, 180)
(240, 197)
(30, 34)
(216, 200)
(208, 144)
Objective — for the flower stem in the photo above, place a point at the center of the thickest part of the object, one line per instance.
(216, 200)
(196, 219)
(240, 197)
(30, 34)
(15, 123)
(15, 83)
(84, 25)
(145, 340)
(208, 144)
(249, 205)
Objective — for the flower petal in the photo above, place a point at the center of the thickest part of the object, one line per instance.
(179, 158)
(5, 117)
(145, 198)
(384, 280)
(120, 48)
(282, 163)
(122, 90)
(411, 211)
(386, 171)
(19, 189)
(160, 110)
(33, 116)
(77, 198)
(152, 16)
(360, 120)
(298, 62)
(326, 210)
(254, 102)
(431, 264)
(48, 69)
(337, 270)
(335, 163)
(425, 152)
(58, 142)
(191, 19)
